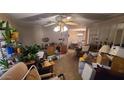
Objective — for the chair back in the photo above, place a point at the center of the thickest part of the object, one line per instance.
(16, 72)
(32, 74)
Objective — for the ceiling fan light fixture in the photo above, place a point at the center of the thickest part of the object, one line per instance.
(69, 17)
(80, 34)
(56, 29)
(65, 29)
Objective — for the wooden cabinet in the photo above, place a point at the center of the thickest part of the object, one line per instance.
(63, 49)
(117, 66)
(51, 50)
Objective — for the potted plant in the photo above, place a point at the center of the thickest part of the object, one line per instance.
(2, 29)
(2, 24)
(7, 34)
(7, 38)
(4, 63)
(28, 53)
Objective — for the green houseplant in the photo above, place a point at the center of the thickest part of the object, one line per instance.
(4, 63)
(28, 53)
(1, 24)
(7, 34)
(7, 37)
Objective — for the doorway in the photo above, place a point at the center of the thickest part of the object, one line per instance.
(77, 37)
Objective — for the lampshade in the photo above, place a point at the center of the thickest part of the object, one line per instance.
(69, 17)
(105, 49)
(58, 28)
(65, 29)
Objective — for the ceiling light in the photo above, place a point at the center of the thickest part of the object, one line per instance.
(56, 29)
(65, 29)
(78, 29)
(68, 17)
(79, 34)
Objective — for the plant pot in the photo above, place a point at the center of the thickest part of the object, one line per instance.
(15, 35)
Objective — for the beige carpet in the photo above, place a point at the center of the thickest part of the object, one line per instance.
(68, 65)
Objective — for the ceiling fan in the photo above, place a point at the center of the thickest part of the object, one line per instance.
(61, 19)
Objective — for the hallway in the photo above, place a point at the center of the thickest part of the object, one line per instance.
(68, 65)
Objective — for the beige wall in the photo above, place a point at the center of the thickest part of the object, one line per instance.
(55, 36)
(73, 38)
(106, 30)
(27, 34)
(34, 34)
(30, 34)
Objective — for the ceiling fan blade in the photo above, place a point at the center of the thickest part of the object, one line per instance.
(50, 24)
(71, 23)
(67, 20)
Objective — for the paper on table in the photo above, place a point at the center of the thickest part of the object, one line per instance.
(40, 54)
(94, 65)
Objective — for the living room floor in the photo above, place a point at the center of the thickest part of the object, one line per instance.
(68, 65)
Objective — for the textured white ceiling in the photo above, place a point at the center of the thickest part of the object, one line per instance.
(21, 15)
(47, 18)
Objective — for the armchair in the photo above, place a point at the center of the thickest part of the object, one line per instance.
(20, 72)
